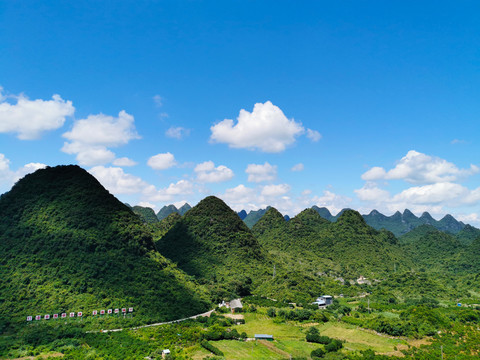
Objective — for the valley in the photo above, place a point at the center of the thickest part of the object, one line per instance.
(67, 244)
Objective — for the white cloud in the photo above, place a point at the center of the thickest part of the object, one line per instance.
(158, 100)
(333, 202)
(240, 197)
(147, 204)
(162, 161)
(30, 118)
(115, 180)
(445, 193)
(472, 218)
(124, 161)
(208, 173)
(90, 137)
(418, 168)
(260, 173)
(275, 190)
(177, 132)
(313, 135)
(370, 192)
(118, 182)
(297, 167)
(27, 169)
(8, 176)
(375, 173)
(180, 188)
(266, 128)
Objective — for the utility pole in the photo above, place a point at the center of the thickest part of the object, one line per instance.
(274, 270)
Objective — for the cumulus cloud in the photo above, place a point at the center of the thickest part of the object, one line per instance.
(208, 173)
(162, 161)
(180, 188)
(8, 176)
(445, 193)
(260, 173)
(266, 128)
(177, 132)
(30, 118)
(333, 202)
(240, 197)
(124, 161)
(275, 190)
(297, 167)
(418, 168)
(372, 193)
(90, 138)
(313, 135)
(472, 218)
(117, 181)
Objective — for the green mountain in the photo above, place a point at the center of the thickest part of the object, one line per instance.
(468, 234)
(165, 211)
(212, 243)
(432, 249)
(242, 214)
(184, 208)
(66, 244)
(347, 247)
(400, 224)
(146, 214)
(324, 213)
(170, 209)
(253, 216)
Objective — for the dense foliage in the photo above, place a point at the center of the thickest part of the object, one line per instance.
(66, 244)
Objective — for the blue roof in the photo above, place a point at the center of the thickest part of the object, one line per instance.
(264, 336)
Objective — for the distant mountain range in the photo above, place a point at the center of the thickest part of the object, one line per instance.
(147, 215)
(398, 223)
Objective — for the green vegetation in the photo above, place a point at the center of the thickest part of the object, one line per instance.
(146, 214)
(66, 244)
(172, 209)
(253, 217)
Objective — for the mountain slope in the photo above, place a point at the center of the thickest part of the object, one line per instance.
(347, 247)
(146, 214)
(165, 211)
(253, 216)
(212, 243)
(67, 244)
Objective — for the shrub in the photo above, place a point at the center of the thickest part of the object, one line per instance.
(206, 345)
(317, 353)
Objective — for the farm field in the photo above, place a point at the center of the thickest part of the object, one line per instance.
(290, 339)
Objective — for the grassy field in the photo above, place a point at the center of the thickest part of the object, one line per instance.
(262, 324)
(359, 339)
(290, 339)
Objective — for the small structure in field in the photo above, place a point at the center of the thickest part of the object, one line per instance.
(166, 354)
(263, 337)
(324, 301)
(236, 306)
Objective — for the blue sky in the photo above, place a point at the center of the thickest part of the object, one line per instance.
(361, 104)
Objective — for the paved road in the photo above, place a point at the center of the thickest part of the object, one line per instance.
(208, 313)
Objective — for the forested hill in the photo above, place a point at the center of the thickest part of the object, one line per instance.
(347, 247)
(66, 244)
(212, 243)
